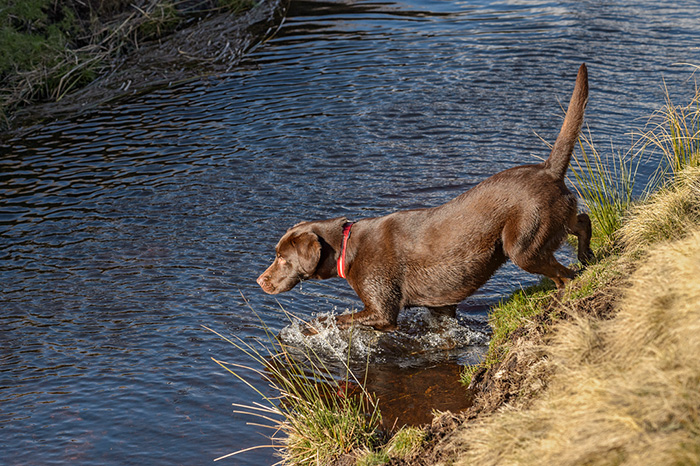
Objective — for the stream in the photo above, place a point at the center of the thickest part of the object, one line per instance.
(126, 229)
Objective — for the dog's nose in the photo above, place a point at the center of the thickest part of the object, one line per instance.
(262, 279)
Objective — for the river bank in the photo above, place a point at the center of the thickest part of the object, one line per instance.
(602, 373)
(605, 378)
(606, 372)
(202, 41)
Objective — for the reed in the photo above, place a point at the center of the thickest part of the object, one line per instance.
(315, 418)
(674, 130)
(605, 183)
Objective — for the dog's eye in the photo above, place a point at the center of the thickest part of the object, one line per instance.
(281, 259)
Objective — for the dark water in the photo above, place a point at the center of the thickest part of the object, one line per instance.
(125, 230)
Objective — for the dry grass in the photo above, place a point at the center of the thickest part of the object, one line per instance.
(666, 215)
(625, 389)
(675, 131)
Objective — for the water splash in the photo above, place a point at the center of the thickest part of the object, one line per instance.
(421, 338)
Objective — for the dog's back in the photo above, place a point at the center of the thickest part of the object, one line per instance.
(436, 257)
(523, 214)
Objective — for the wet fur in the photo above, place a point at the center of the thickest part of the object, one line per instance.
(438, 256)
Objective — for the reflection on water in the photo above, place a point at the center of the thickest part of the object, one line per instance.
(125, 229)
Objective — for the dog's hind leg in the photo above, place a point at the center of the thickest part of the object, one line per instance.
(449, 311)
(549, 267)
(538, 258)
(581, 227)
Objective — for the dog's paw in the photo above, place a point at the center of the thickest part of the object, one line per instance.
(587, 258)
(358, 320)
(344, 321)
(309, 330)
(315, 326)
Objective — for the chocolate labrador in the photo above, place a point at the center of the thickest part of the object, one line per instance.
(436, 257)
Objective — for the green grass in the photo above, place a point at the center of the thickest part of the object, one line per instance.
(401, 446)
(506, 317)
(514, 312)
(406, 442)
(314, 417)
(373, 458)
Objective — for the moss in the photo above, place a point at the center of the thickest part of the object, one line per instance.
(28, 37)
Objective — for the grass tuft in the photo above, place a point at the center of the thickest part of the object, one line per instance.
(667, 213)
(606, 185)
(315, 417)
(373, 458)
(406, 442)
(675, 131)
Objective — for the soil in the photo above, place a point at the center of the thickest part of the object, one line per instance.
(208, 47)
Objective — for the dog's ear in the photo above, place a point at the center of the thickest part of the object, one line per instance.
(308, 250)
(331, 228)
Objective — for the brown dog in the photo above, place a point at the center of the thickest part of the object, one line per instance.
(437, 257)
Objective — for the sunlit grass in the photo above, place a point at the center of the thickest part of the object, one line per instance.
(314, 417)
(624, 389)
(675, 131)
(605, 183)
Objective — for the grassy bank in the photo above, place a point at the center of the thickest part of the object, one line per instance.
(605, 372)
(50, 48)
(625, 388)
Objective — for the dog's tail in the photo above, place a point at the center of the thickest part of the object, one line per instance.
(558, 161)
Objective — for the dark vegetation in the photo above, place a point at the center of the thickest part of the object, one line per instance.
(49, 48)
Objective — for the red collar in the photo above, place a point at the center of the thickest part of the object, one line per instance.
(341, 259)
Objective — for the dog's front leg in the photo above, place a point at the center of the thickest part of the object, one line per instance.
(366, 317)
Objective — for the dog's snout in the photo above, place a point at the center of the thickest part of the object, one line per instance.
(265, 282)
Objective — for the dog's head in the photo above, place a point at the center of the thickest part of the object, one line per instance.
(298, 255)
